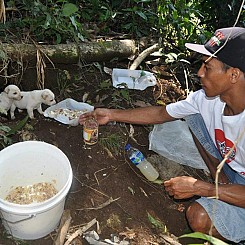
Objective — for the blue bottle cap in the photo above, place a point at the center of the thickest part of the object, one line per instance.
(127, 147)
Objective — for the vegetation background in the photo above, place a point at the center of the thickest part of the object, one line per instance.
(166, 22)
(62, 21)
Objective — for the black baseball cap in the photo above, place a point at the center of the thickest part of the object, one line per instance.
(227, 45)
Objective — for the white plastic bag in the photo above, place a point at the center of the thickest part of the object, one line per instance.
(174, 141)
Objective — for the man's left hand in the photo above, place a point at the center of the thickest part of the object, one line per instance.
(181, 187)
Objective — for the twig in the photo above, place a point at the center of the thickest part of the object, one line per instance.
(109, 153)
(186, 81)
(142, 190)
(73, 228)
(5, 67)
(90, 187)
(40, 67)
(98, 172)
(63, 228)
(158, 94)
(2, 12)
(108, 202)
(170, 240)
(79, 232)
(10, 76)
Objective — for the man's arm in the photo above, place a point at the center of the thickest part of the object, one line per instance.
(185, 187)
(143, 115)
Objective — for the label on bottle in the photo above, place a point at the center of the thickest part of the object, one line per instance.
(90, 132)
(137, 157)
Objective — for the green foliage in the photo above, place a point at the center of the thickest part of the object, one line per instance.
(52, 21)
(118, 97)
(113, 143)
(64, 20)
(139, 18)
(180, 21)
(135, 17)
(205, 237)
(217, 14)
(72, 20)
(64, 83)
(6, 132)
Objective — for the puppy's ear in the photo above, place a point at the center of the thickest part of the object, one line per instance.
(6, 90)
(44, 94)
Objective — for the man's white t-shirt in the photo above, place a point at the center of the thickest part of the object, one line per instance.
(224, 130)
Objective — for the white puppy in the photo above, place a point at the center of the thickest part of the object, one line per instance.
(32, 100)
(10, 93)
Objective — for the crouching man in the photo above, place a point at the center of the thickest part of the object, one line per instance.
(216, 117)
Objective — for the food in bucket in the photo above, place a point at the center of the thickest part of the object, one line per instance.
(39, 192)
(71, 114)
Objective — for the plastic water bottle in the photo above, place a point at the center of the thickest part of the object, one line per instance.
(138, 159)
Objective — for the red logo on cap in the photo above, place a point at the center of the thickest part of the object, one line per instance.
(219, 35)
(215, 40)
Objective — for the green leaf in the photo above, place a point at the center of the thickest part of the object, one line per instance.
(4, 128)
(158, 181)
(141, 14)
(125, 94)
(3, 55)
(73, 21)
(157, 223)
(69, 9)
(7, 141)
(105, 84)
(200, 235)
(47, 22)
(142, 73)
(81, 37)
(19, 126)
(58, 38)
(98, 66)
(128, 26)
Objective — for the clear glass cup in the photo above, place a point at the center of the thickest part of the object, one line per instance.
(90, 131)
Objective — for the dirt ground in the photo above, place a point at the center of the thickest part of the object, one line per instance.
(102, 173)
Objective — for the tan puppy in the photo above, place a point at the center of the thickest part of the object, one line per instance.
(32, 100)
(10, 93)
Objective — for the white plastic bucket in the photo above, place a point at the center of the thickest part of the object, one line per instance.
(28, 163)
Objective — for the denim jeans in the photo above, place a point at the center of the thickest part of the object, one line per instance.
(198, 128)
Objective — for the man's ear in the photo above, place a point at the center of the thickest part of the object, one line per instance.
(235, 74)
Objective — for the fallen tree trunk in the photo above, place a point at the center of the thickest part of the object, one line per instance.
(71, 53)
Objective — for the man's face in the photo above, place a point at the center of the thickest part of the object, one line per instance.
(214, 79)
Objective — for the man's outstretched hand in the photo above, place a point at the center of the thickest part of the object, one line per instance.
(102, 115)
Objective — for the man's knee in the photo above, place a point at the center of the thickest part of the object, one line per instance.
(198, 218)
